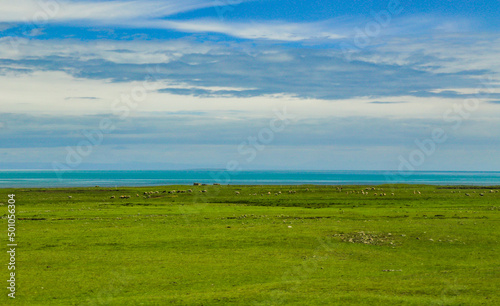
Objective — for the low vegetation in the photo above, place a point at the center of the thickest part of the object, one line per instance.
(257, 245)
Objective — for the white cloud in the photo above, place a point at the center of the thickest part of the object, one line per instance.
(152, 14)
(148, 14)
(57, 93)
(446, 53)
(110, 12)
(124, 52)
(283, 31)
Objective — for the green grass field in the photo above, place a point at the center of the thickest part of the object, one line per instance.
(315, 245)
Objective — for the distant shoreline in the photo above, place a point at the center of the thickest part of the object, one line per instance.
(352, 186)
(134, 178)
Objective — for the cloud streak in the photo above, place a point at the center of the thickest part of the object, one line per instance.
(280, 31)
(96, 12)
(151, 14)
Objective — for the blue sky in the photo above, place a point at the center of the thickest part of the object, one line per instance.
(189, 84)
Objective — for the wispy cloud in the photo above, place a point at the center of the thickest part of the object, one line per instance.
(200, 69)
(81, 98)
(96, 12)
(281, 31)
(151, 14)
(154, 14)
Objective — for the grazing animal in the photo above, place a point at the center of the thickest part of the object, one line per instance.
(70, 197)
(112, 197)
(237, 192)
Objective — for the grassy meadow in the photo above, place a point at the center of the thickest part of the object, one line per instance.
(256, 245)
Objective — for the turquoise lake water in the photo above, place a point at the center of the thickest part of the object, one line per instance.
(32, 178)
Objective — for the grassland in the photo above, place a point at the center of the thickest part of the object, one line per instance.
(318, 245)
